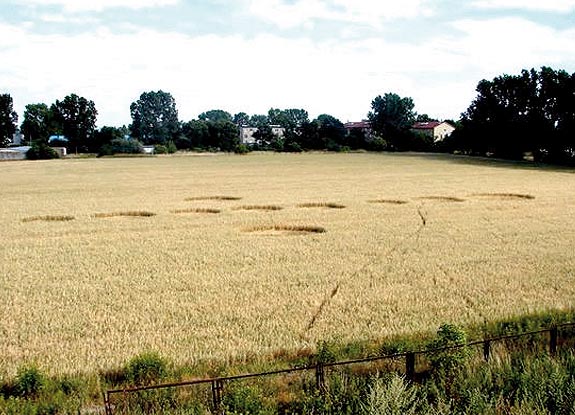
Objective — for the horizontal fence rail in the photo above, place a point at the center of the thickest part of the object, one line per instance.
(217, 383)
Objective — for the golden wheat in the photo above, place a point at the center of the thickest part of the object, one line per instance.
(88, 294)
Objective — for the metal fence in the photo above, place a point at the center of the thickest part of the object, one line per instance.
(409, 363)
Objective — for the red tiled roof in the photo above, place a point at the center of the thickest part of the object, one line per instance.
(357, 124)
(427, 125)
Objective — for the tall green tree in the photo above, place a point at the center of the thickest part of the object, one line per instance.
(195, 134)
(291, 118)
(216, 115)
(224, 135)
(154, 118)
(8, 119)
(331, 131)
(241, 118)
(265, 138)
(533, 112)
(105, 135)
(38, 123)
(391, 118)
(76, 117)
(259, 120)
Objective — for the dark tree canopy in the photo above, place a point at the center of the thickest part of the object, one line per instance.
(223, 135)
(289, 118)
(8, 119)
(391, 118)
(75, 117)
(259, 120)
(154, 118)
(241, 118)
(195, 134)
(215, 115)
(38, 123)
(107, 134)
(331, 131)
(533, 112)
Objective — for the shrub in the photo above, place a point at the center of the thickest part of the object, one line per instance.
(448, 360)
(121, 146)
(41, 152)
(146, 368)
(171, 147)
(325, 353)
(241, 149)
(244, 400)
(394, 397)
(29, 381)
(377, 144)
(160, 149)
(292, 147)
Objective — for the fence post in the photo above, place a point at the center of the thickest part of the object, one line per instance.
(320, 377)
(107, 407)
(553, 340)
(217, 387)
(410, 366)
(486, 350)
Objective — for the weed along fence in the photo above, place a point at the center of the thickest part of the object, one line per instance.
(211, 391)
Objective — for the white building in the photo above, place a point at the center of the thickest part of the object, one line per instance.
(14, 153)
(17, 138)
(439, 130)
(247, 133)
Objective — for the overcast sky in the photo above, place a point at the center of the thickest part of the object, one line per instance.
(326, 56)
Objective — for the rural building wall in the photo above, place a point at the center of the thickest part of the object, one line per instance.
(442, 131)
(247, 133)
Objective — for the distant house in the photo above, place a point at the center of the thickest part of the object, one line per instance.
(17, 138)
(247, 133)
(364, 126)
(14, 153)
(439, 130)
(62, 151)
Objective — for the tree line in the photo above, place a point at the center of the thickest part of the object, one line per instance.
(512, 115)
(532, 113)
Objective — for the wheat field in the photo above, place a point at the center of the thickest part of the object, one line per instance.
(225, 256)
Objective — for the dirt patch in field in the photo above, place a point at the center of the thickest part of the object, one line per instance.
(505, 196)
(284, 230)
(131, 213)
(443, 198)
(327, 205)
(49, 218)
(388, 201)
(258, 207)
(197, 210)
(217, 197)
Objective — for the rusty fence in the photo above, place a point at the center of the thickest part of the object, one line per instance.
(213, 388)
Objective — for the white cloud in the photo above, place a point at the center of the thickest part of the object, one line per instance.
(286, 14)
(99, 5)
(510, 44)
(561, 6)
(235, 73)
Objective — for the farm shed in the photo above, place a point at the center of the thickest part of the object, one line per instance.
(14, 153)
(436, 129)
